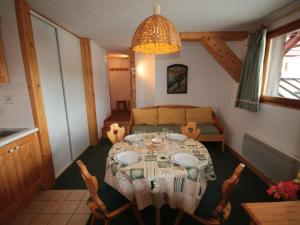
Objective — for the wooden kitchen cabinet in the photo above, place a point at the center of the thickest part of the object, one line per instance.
(27, 158)
(20, 173)
(10, 195)
(3, 65)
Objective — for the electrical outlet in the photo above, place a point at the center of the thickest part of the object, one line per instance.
(8, 99)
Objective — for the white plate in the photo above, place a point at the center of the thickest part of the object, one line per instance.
(176, 137)
(127, 157)
(185, 159)
(133, 138)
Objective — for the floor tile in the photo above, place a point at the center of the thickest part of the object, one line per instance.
(77, 195)
(42, 219)
(68, 207)
(46, 195)
(23, 219)
(62, 195)
(82, 208)
(34, 207)
(51, 207)
(79, 219)
(62, 219)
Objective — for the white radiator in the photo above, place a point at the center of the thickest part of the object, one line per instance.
(270, 161)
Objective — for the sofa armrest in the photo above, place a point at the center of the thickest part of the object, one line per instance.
(218, 124)
(130, 122)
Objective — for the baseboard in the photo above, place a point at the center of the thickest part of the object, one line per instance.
(250, 165)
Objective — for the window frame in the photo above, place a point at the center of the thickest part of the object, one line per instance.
(280, 101)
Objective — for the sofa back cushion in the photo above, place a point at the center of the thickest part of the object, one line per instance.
(171, 116)
(144, 116)
(203, 115)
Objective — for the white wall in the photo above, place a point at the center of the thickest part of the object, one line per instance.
(101, 86)
(119, 81)
(206, 77)
(18, 114)
(275, 125)
(210, 85)
(145, 80)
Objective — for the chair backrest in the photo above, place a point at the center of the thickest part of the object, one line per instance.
(191, 130)
(227, 189)
(92, 185)
(116, 133)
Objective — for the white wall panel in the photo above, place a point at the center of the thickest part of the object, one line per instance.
(51, 83)
(73, 82)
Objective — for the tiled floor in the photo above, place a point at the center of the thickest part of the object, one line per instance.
(56, 207)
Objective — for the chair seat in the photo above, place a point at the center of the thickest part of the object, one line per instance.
(110, 197)
(210, 200)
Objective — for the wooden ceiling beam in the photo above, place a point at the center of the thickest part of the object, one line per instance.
(221, 52)
(223, 35)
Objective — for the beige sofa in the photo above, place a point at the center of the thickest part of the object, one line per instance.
(172, 117)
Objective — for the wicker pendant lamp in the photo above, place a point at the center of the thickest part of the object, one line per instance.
(156, 35)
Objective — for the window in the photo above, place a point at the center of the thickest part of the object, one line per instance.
(281, 83)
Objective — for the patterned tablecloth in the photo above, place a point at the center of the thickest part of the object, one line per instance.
(155, 180)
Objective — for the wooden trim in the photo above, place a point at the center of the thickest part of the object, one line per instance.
(89, 89)
(279, 101)
(3, 65)
(225, 36)
(132, 78)
(284, 102)
(34, 88)
(284, 29)
(256, 171)
(265, 66)
(118, 69)
(221, 52)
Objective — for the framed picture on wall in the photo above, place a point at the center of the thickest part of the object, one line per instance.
(177, 79)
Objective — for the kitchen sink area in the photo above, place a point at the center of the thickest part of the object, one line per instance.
(7, 132)
(8, 135)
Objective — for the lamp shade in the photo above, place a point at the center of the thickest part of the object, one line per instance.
(156, 35)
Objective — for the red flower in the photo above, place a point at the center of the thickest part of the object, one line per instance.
(285, 190)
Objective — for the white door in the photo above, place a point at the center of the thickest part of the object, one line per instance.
(73, 82)
(52, 89)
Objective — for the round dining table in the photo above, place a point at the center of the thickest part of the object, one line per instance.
(155, 179)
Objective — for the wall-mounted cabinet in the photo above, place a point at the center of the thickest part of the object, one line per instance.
(3, 66)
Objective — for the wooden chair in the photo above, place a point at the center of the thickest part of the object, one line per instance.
(116, 133)
(222, 210)
(191, 130)
(97, 206)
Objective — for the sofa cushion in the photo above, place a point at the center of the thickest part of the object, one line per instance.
(201, 115)
(208, 129)
(171, 116)
(145, 116)
(155, 128)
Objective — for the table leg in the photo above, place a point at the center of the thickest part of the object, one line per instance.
(157, 216)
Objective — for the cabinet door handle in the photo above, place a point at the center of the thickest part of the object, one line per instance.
(17, 148)
(10, 151)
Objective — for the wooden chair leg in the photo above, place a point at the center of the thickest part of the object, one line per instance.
(107, 222)
(223, 146)
(93, 221)
(179, 218)
(137, 215)
(157, 216)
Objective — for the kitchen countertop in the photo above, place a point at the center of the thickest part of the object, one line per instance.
(16, 136)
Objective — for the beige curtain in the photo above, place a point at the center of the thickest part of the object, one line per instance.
(274, 66)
